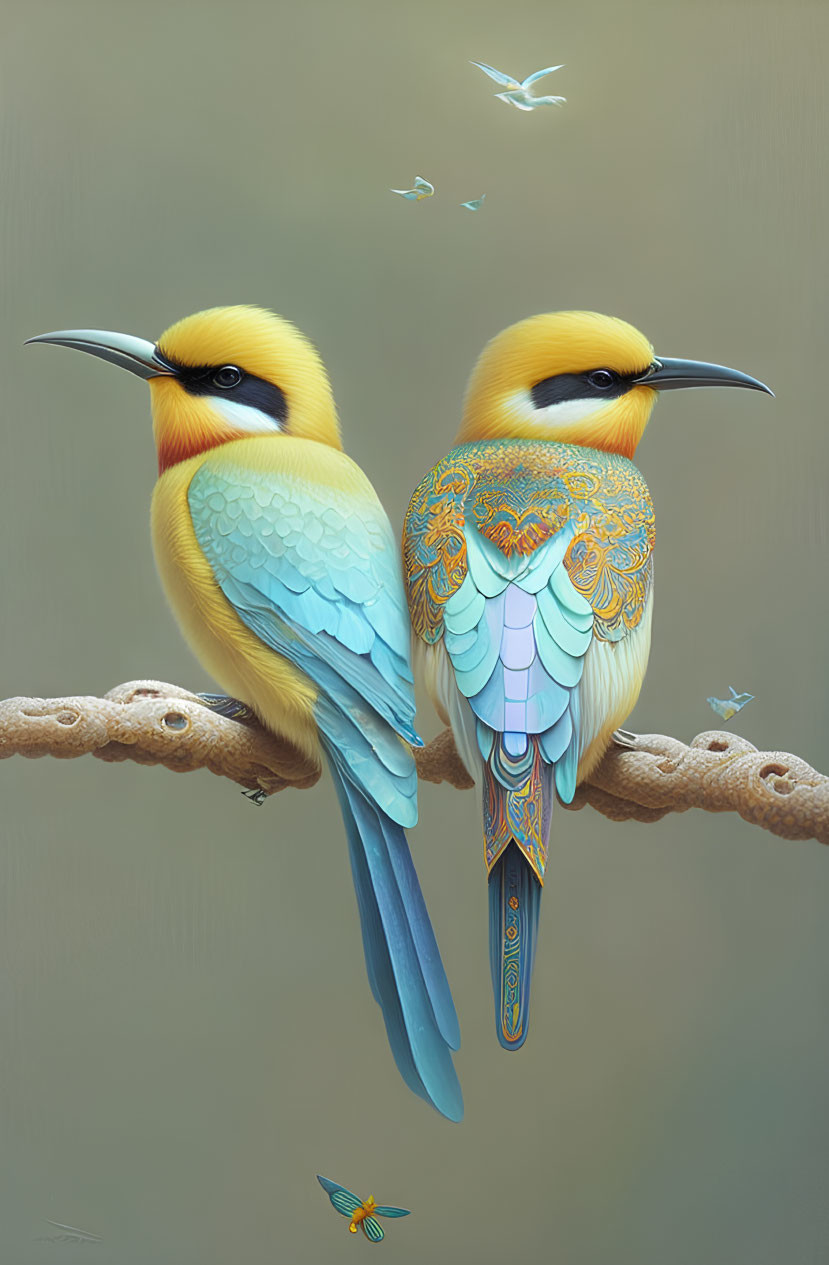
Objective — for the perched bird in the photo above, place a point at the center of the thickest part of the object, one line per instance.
(528, 561)
(518, 93)
(422, 189)
(281, 568)
(363, 1213)
(475, 204)
(728, 707)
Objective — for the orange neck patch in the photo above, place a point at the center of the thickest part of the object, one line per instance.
(184, 425)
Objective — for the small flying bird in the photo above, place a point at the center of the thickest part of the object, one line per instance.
(363, 1213)
(475, 204)
(728, 707)
(519, 94)
(422, 189)
(71, 1234)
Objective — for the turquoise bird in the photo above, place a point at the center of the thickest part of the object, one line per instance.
(282, 570)
(528, 554)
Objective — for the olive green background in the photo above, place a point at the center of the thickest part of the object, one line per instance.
(187, 1032)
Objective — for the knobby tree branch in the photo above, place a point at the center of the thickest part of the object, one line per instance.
(151, 722)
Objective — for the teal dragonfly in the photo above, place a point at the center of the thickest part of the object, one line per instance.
(363, 1212)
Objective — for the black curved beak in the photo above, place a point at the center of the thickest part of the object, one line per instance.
(134, 354)
(670, 375)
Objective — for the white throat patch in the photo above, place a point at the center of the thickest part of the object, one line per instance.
(521, 407)
(243, 416)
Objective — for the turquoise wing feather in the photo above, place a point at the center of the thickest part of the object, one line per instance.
(343, 1200)
(372, 1229)
(327, 564)
(314, 574)
(517, 631)
(384, 1210)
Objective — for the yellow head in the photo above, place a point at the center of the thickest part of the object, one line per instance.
(222, 374)
(578, 378)
(238, 371)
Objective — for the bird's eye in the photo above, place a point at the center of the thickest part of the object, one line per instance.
(602, 379)
(226, 377)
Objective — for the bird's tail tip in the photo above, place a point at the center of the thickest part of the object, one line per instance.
(514, 903)
(404, 966)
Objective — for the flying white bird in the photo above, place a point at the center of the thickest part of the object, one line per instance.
(519, 94)
(422, 189)
(72, 1234)
(475, 204)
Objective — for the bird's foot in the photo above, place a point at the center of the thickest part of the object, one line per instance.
(624, 738)
(257, 796)
(232, 708)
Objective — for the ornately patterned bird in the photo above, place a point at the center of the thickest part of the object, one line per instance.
(282, 570)
(528, 558)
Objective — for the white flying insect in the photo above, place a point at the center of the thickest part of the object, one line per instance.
(475, 204)
(422, 189)
(519, 94)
